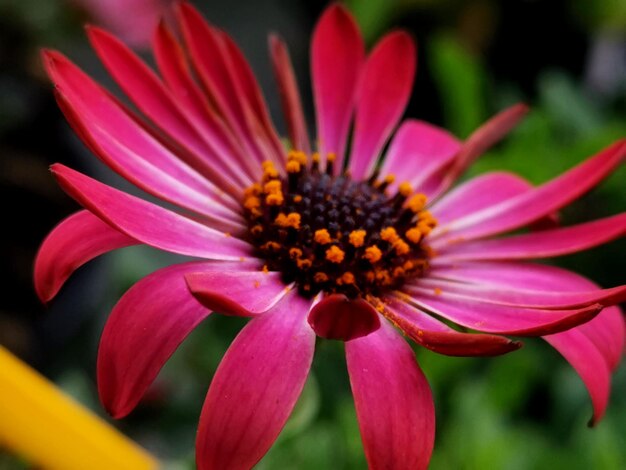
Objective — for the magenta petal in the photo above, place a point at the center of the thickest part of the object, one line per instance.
(384, 90)
(478, 193)
(147, 222)
(418, 152)
(394, 404)
(145, 174)
(588, 362)
(501, 319)
(218, 70)
(482, 139)
(337, 55)
(147, 91)
(542, 244)
(337, 317)
(172, 62)
(143, 331)
(122, 143)
(256, 387)
(523, 296)
(435, 335)
(241, 293)
(289, 95)
(543, 200)
(79, 238)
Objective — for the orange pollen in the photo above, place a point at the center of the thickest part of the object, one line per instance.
(335, 254)
(414, 235)
(346, 278)
(401, 247)
(322, 237)
(389, 234)
(320, 277)
(293, 166)
(416, 203)
(357, 238)
(373, 254)
(405, 188)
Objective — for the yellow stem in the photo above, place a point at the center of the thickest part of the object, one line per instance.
(51, 430)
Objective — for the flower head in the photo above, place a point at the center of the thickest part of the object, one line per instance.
(315, 239)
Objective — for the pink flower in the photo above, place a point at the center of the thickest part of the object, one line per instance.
(304, 248)
(132, 20)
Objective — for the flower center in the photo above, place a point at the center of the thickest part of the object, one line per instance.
(330, 233)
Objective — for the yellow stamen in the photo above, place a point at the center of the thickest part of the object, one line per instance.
(373, 254)
(389, 234)
(320, 277)
(346, 278)
(295, 253)
(270, 246)
(252, 202)
(293, 220)
(322, 236)
(335, 254)
(357, 238)
(416, 203)
(297, 156)
(269, 171)
(304, 263)
(405, 188)
(272, 186)
(293, 166)
(414, 235)
(401, 247)
(253, 190)
(390, 178)
(297, 198)
(275, 199)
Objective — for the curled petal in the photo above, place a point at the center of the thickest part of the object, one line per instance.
(337, 317)
(607, 330)
(256, 387)
(429, 332)
(394, 404)
(241, 293)
(337, 55)
(384, 90)
(521, 296)
(143, 331)
(79, 238)
(589, 363)
(501, 319)
(147, 222)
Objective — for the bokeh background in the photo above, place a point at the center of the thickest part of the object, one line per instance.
(527, 410)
